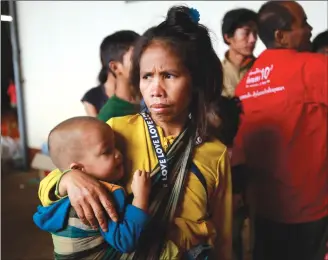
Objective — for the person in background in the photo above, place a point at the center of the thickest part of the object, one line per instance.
(282, 140)
(12, 94)
(239, 31)
(320, 43)
(115, 55)
(124, 99)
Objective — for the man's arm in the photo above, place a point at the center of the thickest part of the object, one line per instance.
(315, 77)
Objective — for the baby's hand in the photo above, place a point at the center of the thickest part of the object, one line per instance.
(141, 186)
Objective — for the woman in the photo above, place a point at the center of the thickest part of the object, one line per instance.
(179, 76)
(115, 54)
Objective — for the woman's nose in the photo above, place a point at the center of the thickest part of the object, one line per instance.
(157, 89)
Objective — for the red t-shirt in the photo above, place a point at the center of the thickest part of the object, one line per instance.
(283, 134)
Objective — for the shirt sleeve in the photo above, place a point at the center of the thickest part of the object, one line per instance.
(107, 111)
(315, 76)
(89, 97)
(54, 217)
(47, 188)
(124, 235)
(110, 122)
(116, 107)
(222, 214)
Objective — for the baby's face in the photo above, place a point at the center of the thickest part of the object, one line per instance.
(102, 160)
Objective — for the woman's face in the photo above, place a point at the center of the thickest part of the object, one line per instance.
(165, 83)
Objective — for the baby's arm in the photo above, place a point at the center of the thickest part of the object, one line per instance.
(141, 186)
(124, 235)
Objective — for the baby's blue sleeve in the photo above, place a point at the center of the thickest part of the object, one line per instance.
(124, 235)
(52, 218)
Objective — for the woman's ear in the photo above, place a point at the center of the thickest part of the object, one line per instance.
(76, 166)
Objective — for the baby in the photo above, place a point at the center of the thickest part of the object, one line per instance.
(87, 144)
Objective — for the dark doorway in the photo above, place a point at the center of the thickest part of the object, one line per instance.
(7, 72)
(13, 130)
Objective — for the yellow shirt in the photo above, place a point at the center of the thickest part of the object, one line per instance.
(191, 226)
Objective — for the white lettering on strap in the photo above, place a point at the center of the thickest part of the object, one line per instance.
(154, 136)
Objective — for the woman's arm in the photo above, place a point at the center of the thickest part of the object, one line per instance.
(90, 109)
(221, 203)
(87, 195)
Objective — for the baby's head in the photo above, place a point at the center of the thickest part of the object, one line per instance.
(87, 144)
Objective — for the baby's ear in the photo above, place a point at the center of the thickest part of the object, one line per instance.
(76, 166)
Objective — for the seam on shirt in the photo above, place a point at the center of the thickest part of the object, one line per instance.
(218, 168)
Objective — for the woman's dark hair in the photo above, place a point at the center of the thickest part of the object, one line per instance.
(273, 16)
(192, 43)
(113, 48)
(320, 41)
(235, 19)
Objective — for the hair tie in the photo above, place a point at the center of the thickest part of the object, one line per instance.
(194, 14)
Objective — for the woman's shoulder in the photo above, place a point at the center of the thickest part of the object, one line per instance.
(210, 153)
(212, 145)
(125, 122)
(209, 157)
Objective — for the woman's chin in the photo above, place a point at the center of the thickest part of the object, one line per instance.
(162, 117)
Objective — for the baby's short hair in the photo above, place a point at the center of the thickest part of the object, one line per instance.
(66, 140)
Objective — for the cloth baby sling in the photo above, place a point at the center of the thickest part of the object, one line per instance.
(167, 188)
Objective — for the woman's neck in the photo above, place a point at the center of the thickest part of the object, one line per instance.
(172, 128)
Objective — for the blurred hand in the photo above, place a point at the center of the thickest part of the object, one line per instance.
(89, 198)
(141, 185)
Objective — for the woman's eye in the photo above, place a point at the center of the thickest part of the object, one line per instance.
(168, 76)
(146, 76)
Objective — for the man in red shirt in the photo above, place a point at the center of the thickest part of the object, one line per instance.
(282, 139)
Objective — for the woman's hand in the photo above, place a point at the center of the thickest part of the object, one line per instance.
(89, 198)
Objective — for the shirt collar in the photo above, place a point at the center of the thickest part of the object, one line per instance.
(246, 64)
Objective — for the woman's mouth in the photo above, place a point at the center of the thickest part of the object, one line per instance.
(159, 108)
